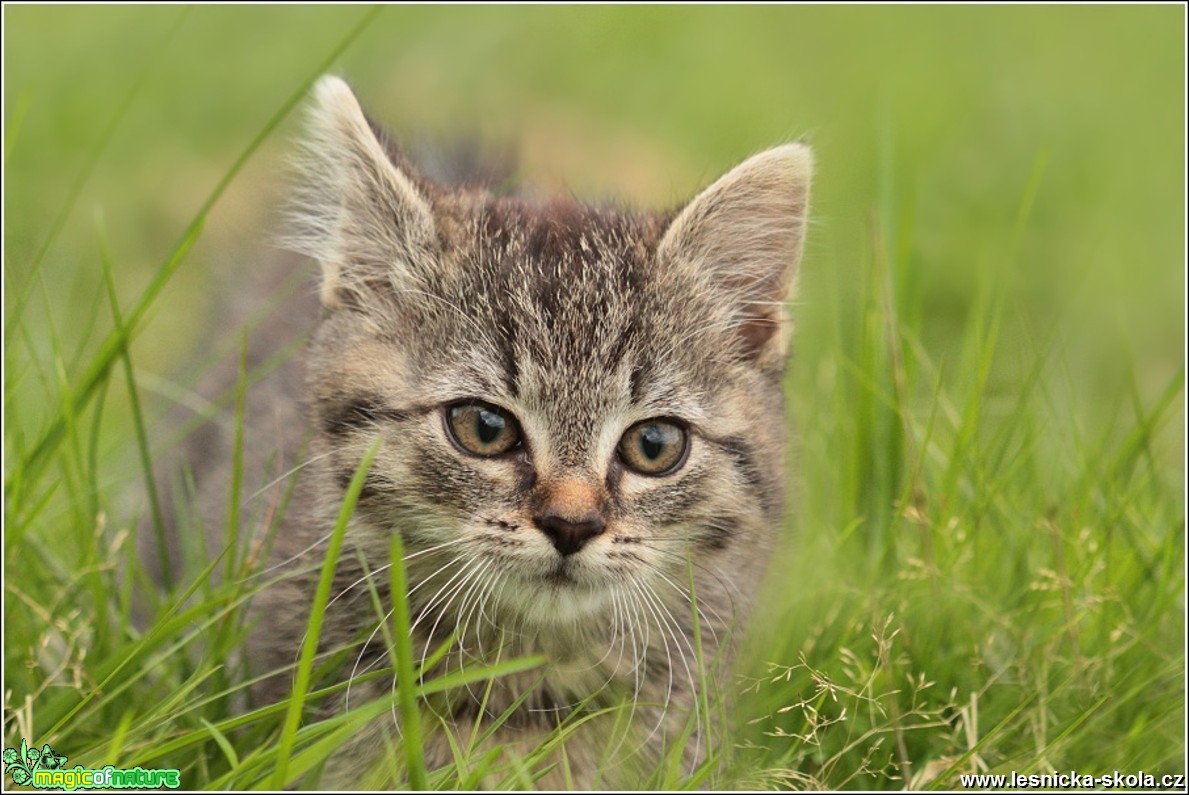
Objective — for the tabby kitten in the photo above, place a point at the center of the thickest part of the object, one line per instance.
(582, 423)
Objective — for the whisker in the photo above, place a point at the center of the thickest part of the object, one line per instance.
(286, 562)
(671, 620)
(685, 594)
(287, 474)
(359, 659)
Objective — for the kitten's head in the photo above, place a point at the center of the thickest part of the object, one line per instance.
(573, 400)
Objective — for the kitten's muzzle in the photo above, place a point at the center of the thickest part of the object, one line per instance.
(570, 535)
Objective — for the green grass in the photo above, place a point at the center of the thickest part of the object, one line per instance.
(984, 563)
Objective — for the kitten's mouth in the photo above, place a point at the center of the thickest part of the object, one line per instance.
(560, 576)
(559, 595)
(568, 575)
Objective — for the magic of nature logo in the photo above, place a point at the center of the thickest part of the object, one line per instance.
(45, 768)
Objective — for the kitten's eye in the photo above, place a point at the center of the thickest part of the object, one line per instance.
(482, 429)
(654, 447)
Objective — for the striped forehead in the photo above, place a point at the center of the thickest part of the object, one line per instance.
(566, 303)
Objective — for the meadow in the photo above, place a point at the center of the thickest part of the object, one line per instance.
(983, 567)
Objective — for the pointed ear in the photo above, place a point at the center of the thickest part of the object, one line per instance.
(356, 211)
(741, 239)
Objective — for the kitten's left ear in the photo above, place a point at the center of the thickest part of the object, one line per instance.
(742, 238)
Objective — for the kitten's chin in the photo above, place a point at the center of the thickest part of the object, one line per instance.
(563, 608)
(561, 596)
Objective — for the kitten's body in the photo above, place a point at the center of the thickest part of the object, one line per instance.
(586, 331)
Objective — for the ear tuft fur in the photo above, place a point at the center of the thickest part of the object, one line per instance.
(742, 238)
(355, 211)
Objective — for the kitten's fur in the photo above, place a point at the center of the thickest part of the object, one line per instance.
(577, 321)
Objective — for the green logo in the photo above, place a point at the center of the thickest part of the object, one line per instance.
(46, 769)
(23, 764)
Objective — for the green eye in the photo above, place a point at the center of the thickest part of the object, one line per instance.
(654, 447)
(482, 429)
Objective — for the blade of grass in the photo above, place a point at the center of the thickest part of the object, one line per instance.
(409, 713)
(301, 684)
(470, 676)
(221, 740)
(334, 733)
(144, 643)
(84, 176)
(478, 769)
(115, 746)
(705, 683)
(36, 460)
(234, 495)
(142, 438)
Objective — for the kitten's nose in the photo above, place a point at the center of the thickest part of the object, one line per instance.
(570, 535)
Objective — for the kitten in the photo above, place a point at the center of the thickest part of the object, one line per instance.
(580, 410)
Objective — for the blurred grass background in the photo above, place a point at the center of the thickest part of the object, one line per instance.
(934, 118)
(989, 362)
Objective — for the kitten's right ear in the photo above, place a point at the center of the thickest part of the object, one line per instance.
(360, 215)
